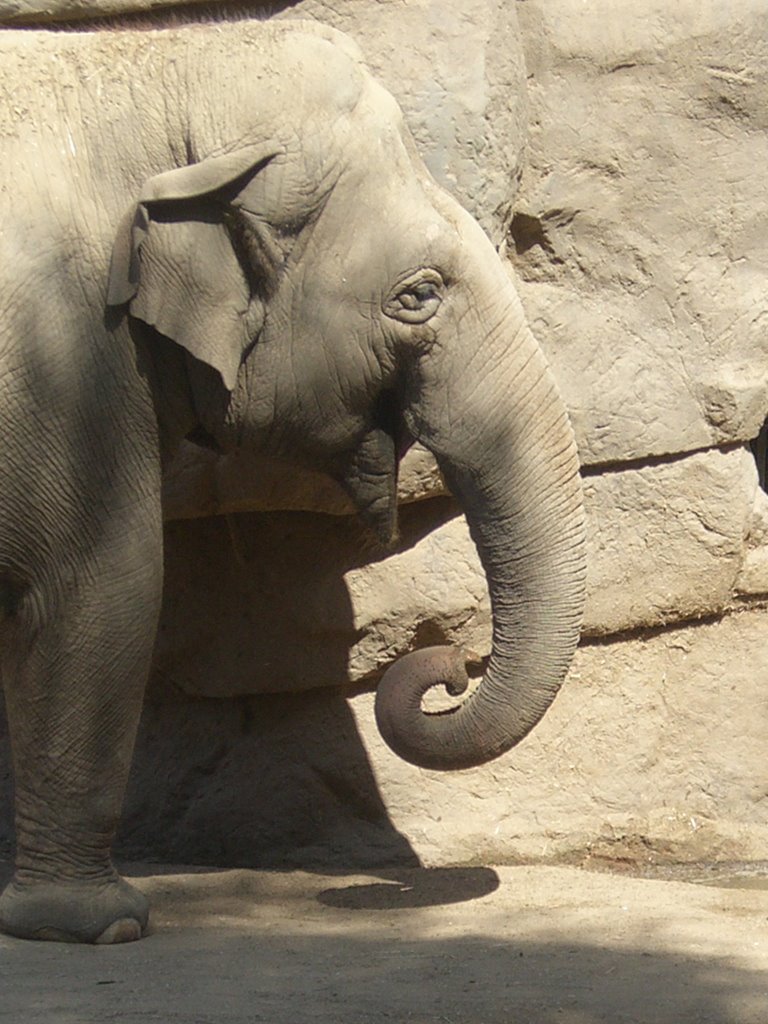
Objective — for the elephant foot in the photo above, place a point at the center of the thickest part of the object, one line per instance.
(98, 911)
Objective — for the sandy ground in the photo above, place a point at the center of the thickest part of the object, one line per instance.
(512, 945)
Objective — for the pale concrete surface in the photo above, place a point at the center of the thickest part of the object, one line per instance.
(522, 945)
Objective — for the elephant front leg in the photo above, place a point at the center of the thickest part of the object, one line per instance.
(75, 659)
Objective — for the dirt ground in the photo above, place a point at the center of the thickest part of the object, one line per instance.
(511, 945)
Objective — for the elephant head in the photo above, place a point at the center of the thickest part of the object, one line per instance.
(350, 307)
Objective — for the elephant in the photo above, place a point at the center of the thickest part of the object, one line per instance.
(225, 233)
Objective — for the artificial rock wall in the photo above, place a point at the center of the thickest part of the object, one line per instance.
(614, 153)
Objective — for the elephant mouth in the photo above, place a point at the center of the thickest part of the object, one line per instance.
(370, 474)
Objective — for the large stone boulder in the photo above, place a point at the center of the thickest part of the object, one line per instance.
(640, 232)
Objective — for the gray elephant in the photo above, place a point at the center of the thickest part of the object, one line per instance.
(225, 233)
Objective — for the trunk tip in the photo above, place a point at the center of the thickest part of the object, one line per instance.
(403, 723)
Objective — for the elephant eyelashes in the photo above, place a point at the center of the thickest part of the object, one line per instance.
(416, 299)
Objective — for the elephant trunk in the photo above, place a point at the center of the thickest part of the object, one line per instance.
(505, 446)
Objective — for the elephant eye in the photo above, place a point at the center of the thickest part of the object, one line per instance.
(416, 299)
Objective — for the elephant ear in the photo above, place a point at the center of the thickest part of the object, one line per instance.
(185, 263)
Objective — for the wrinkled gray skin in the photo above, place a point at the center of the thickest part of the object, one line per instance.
(262, 205)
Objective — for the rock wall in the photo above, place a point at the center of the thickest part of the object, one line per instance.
(614, 152)
(654, 751)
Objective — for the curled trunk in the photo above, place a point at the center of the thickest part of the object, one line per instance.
(507, 451)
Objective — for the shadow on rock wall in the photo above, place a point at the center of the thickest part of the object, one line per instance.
(258, 603)
(269, 781)
(224, 772)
